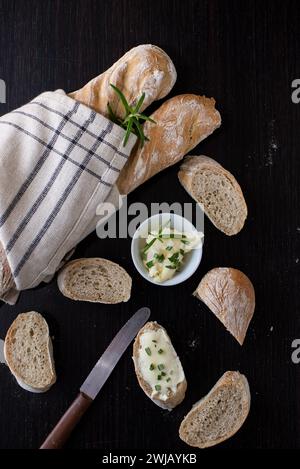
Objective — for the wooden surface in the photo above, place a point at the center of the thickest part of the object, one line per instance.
(245, 55)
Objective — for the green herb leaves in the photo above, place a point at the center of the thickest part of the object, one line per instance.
(132, 121)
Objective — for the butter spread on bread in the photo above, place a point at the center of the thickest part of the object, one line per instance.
(158, 368)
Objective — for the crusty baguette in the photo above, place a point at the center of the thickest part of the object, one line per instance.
(220, 414)
(28, 352)
(174, 397)
(95, 280)
(181, 123)
(230, 295)
(144, 69)
(217, 190)
(6, 278)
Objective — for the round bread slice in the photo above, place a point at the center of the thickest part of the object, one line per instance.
(28, 352)
(230, 295)
(95, 280)
(217, 190)
(220, 414)
(157, 357)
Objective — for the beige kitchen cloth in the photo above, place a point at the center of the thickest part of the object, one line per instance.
(58, 161)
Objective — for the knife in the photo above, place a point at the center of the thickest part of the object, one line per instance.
(95, 380)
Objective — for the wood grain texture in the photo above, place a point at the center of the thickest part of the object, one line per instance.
(245, 55)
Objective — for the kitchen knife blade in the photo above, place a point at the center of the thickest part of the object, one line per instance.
(95, 380)
(113, 353)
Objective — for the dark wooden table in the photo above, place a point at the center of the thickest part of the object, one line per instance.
(246, 55)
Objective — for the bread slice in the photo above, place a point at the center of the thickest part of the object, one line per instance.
(217, 190)
(95, 280)
(165, 361)
(230, 295)
(28, 352)
(220, 414)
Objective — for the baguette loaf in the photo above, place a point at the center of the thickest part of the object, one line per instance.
(181, 123)
(28, 352)
(220, 414)
(230, 295)
(217, 190)
(95, 280)
(6, 278)
(144, 69)
(157, 366)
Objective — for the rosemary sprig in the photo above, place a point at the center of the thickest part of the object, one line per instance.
(133, 117)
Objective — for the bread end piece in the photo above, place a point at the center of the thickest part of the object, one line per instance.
(230, 295)
(218, 415)
(29, 354)
(176, 398)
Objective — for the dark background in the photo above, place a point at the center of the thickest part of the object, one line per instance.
(245, 55)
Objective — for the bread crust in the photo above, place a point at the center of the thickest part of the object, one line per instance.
(83, 261)
(188, 171)
(175, 398)
(144, 69)
(230, 295)
(181, 123)
(230, 378)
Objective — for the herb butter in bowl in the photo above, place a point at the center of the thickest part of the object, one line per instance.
(166, 249)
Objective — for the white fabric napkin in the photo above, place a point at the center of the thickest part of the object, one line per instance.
(58, 161)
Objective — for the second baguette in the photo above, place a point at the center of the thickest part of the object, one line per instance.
(181, 123)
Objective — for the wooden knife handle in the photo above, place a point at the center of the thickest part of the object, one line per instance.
(67, 423)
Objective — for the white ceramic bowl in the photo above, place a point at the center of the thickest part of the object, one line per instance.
(192, 259)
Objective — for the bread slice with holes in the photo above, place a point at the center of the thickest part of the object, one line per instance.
(218, 415)
(217, 190)
(95, 280)
(158, 367)
(28, 352)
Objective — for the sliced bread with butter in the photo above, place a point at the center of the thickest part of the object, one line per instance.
(217, 190)
(157, 366)
(218, 415)
(95, 280)
(28, 352)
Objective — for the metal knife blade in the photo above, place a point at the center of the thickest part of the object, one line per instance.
(113, 353)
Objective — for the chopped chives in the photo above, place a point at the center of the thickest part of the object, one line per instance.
(159, 377)
(168, 379)
(163, 373)
(161, 366)
(157, 387)
(148, 351)
(151, 367)
(155, 341)
(160, 351)
(150, 264)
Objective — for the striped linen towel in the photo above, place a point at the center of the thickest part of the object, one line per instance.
(58, 161)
